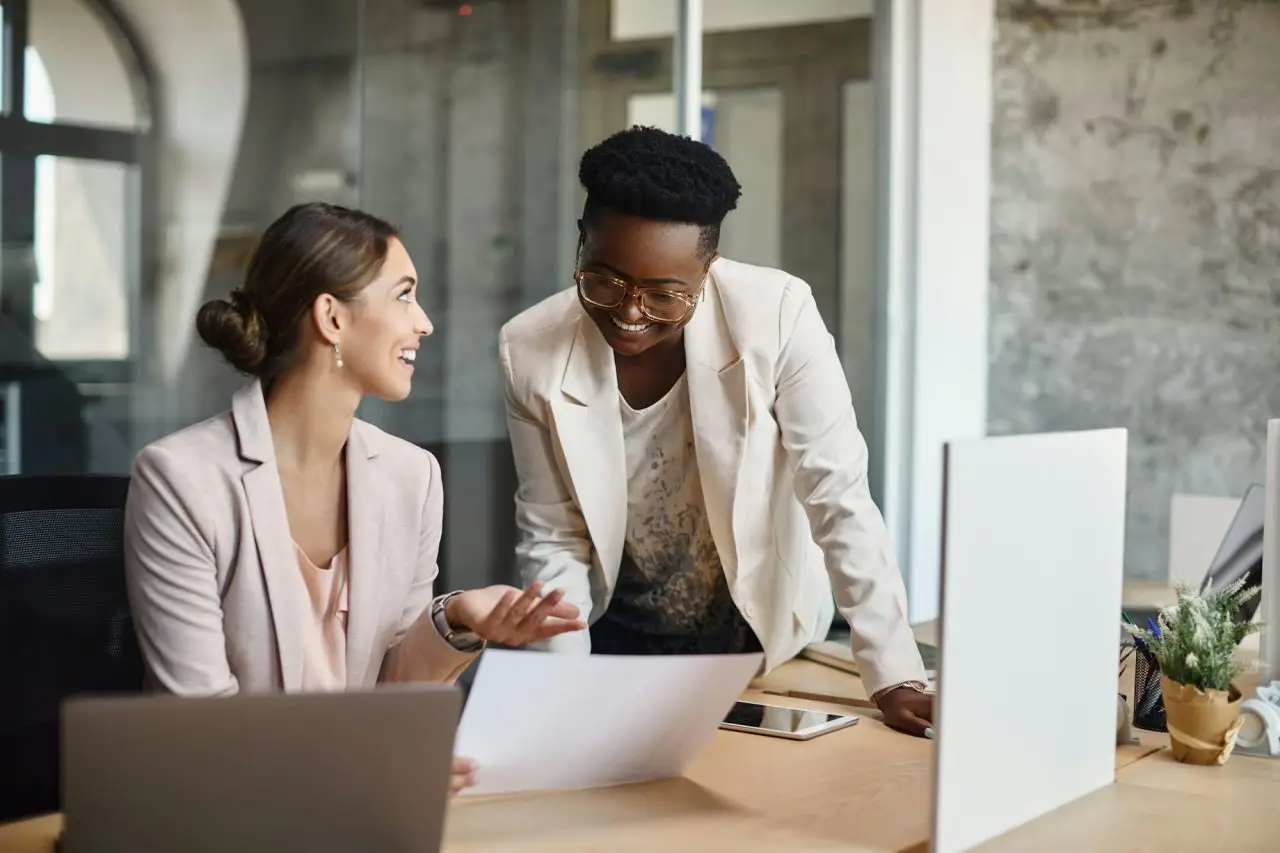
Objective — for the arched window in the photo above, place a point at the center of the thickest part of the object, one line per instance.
(76, 119)
(74, 135)
(119, 125)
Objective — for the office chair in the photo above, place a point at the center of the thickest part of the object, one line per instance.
(64, 621)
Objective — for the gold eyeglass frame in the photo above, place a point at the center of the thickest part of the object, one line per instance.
(690, 300)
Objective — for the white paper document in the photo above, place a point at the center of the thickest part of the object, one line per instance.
(542, 720)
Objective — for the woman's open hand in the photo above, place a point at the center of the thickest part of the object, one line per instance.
(504, 615)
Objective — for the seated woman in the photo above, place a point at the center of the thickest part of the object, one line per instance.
(285, 545)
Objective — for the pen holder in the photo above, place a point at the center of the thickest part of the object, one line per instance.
(1148, 698)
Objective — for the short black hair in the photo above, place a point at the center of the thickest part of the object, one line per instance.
(647, 172)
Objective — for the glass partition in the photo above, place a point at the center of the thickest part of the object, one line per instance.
(469, 143)
(463, 124)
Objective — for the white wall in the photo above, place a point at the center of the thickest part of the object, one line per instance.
(637, 19)
(935, 161)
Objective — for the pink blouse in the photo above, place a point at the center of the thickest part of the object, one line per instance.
(324, 641)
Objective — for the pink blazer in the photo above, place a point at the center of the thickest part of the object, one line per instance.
(213, 580)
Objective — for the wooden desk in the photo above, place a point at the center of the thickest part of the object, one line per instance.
(1158, 804)
(864, 789)
(675, 815)
(1161, 805)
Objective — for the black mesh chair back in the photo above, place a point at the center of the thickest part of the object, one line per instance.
(64, 621)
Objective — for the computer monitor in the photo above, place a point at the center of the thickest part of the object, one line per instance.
(1269, 642)
(1032, 570)
(1240, 554)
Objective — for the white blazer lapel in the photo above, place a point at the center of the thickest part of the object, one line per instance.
(285, 588)
(718, 404)
(588, 427)
(366, 514)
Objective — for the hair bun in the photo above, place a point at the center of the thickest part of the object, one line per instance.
(235, 328)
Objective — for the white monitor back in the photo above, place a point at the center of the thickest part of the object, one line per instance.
(1032, 569)
(1269, 642)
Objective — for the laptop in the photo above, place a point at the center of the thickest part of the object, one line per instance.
(1238, 555)
(320, 772)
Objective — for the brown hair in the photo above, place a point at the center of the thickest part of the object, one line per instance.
(311, 250)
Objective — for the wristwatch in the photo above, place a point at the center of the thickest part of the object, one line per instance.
(463, 641)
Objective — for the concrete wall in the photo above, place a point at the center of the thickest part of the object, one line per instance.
(1136, 239)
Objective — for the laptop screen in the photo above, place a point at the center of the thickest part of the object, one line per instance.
(1240, 554)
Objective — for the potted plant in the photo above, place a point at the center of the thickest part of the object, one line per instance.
(1194, 641)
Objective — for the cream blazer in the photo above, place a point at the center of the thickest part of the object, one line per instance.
(213, 580)
(783, 466)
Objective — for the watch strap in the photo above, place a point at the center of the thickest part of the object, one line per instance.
(463, 641)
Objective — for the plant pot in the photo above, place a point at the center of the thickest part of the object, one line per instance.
(1202, 723)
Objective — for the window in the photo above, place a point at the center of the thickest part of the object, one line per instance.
(71, 150)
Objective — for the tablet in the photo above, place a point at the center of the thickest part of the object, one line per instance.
(777, 721)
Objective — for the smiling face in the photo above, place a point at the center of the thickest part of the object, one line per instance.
(384, 324)
(647, 255)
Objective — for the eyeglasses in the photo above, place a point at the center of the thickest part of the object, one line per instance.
(656, 304)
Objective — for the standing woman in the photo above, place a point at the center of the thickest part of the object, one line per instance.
(285, 545)
(690, 468)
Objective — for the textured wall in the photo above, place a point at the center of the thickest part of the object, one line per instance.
(1136, 238)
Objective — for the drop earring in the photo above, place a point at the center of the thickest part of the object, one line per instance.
(337, 355)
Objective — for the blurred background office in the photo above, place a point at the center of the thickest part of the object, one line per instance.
(1129, 153)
